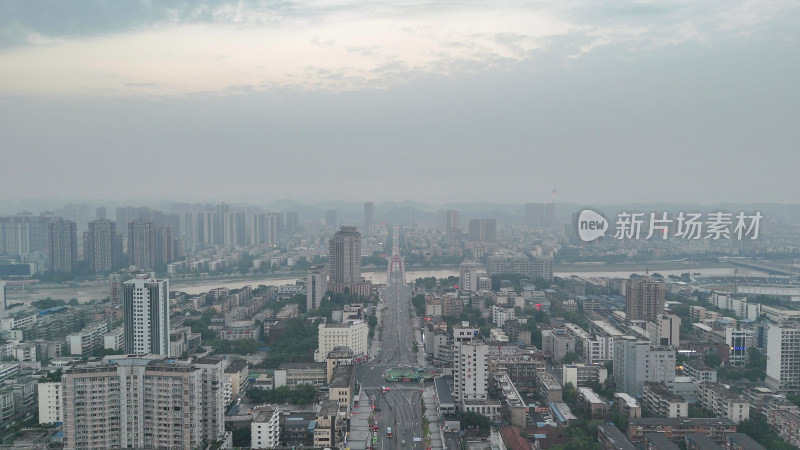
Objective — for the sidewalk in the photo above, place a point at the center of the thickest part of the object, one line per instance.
(433, 419)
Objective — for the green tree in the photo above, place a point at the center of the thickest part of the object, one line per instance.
(475, 420)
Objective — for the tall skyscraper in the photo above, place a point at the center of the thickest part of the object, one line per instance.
(140, 232)
(482, 230)
(453, 232)
(162, 249)
(452, 219)
(264, 229)
(369, 211)
(62, 245)
(292, 223)
(550, 214)
(344, 258)
(316, 286)
(534, 214)
(102, 246)
(145, 306)
(644, 299)
(330, 218)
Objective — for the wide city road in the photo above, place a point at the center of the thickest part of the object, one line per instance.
(400, 407)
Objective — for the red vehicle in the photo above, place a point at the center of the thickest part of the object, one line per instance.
(375, 426)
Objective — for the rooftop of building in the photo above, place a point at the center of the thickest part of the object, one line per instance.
(302, 365)
(743, 441)
(661, 391)
(590, 395)
(698, 365)
(342, 376)
(236, 366)
(615, 437)
(443, 391)
(658, 441)
(702, 441)
(264, 416)
(681, 421)
(627, 398)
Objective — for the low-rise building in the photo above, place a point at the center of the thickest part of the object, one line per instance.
(240, 329)
(676, 429)
(590, 402)
(699, 371)
(785, 424)
(659, 400)
(294, 374)
(625, 404)
(611, 438)
(513, 407)
(583, 374)
(723, 402)
(548, 388)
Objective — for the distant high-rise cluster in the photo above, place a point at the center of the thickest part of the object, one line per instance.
(540, 215)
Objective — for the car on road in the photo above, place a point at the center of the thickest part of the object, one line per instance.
(375, 426)
(389, 432)
(384, 389)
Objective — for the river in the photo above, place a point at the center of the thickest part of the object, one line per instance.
(195, 286)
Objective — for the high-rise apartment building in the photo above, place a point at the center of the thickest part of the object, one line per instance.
(534, 214)
(470, 365)
(140, 233)
(344, 258)
(482, 230)
(292, 223)
(644, 299)
(783, 356)
(316, 286)
(62, 245)
(143, 401)
(369, 212)
(264, 229)
(23, 233)
(103, 246)
(330, 218)
(234, 229)
(149, 244)
(145, 306)
(635, 363)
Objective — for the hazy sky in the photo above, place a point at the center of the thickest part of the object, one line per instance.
(608, 101)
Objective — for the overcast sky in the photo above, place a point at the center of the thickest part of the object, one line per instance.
(607, 101)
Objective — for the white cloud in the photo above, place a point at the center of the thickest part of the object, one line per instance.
(329, 47)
